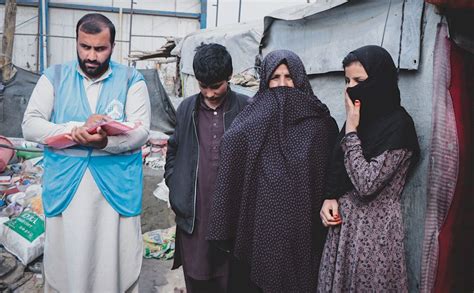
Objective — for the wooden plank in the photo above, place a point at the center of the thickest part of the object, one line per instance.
(7, 40)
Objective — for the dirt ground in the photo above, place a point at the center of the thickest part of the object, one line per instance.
(156, 275)
(155, 212)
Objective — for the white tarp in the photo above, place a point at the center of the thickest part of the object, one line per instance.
(240, 40)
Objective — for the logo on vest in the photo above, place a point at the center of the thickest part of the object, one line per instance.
(115, 110)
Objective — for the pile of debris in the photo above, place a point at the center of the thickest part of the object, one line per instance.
(154, 151)
(21, 216)
(14, 276)
(163, 52)
(160, 243)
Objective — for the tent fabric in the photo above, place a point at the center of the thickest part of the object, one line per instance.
(322, 41)
(163, 114)
(447, 258)
(14, 97)
(240, 40)
(301, 11)
(455, 271)
(444, 154)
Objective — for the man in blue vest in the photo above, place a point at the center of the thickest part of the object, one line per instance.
(92, 191)
(191, 168)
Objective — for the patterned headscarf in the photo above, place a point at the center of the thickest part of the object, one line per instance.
(270, 182)
(296, 69)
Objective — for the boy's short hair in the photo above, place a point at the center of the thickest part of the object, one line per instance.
(212, 63)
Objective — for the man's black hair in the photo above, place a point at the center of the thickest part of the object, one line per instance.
(212, 63)
(350, 58)
(94, 23)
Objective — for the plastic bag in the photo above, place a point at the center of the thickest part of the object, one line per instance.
(162, 192)
(159, 243)
(23, 236)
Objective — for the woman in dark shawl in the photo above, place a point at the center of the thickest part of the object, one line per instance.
(271, 180)
(376, 148)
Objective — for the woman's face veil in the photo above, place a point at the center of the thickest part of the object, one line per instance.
(379, 94)
(295, 67)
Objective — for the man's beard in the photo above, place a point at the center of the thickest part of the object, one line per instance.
(94, 72)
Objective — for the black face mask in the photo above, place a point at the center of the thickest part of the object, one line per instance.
(374, 98)
(98, 71)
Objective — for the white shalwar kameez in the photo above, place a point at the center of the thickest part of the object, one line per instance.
(90, 247)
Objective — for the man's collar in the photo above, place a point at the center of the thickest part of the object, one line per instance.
(106, 74)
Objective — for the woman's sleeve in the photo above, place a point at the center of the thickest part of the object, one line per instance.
(369, 177)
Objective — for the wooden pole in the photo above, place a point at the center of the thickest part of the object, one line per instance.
(6, 66)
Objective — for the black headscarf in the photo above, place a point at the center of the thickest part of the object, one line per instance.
(384, 123)
(270, 183)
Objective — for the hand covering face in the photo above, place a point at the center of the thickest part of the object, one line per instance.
(384, 123)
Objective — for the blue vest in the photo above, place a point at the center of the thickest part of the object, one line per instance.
(119, 177)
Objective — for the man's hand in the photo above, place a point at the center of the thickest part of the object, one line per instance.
(96, 118)
(352, 114)
(330, 213)
(81, 136)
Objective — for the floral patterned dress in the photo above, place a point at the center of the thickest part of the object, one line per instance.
(366, 252)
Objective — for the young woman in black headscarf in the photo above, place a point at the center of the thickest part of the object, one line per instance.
(375, 150)
(271, 180)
